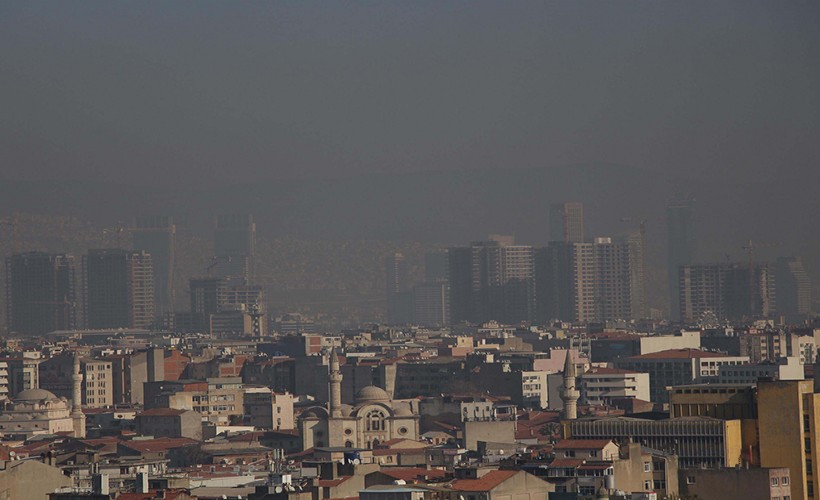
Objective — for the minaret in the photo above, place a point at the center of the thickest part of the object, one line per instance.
(570, 394)
(77, 415)
(335, 386)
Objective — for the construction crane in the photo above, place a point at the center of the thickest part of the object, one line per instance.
(118, 230)
(215, 261)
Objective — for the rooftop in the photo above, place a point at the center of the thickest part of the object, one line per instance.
(485, 483)
(681, 354)
(582, 444)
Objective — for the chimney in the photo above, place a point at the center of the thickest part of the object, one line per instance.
(99, 484)
(142, 482)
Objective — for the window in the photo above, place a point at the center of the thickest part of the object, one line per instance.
(647, 467)
(775, 482)
(374, 421)
(647, 485)
(690, 479)
(784, 481)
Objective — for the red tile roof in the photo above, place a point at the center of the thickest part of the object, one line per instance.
(159, 444)
(414, 474)
(151, 495)
(486, 482)
(567, 462)
(330, 483)
(581, 444)
(162, 412)
(595, 466)
(680, 354)
(607, 371)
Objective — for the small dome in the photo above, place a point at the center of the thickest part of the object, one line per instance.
(403, 410)
(372, 393)
(35, 395)
(315, 412)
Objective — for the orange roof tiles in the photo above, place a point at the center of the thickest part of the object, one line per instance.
(607, 371)
(162, 412)
(159, 444)
(680, 354)
(581, 444)
(567, 462)
(330, 483)
(486, 482)
(415, 474)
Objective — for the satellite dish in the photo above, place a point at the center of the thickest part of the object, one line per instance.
(356, 461)
(278, 489)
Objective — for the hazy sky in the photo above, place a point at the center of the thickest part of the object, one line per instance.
(217, 91)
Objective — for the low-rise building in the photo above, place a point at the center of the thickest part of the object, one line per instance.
(479, 483)
(678, 367)
(723, 401)
(788, 368)
(601, 386)
(265, 409)
(218, 400)
(171, 423)
(720, 484)
(698, 441)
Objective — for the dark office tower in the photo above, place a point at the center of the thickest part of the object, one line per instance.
(567, 222)
(492, 281)
(680, 224)
(554, 282)
(460, 279)
(727, 291)
(208, 296)
(793, 287)
(398, 291)
(235, 248)
(435, 267)
(119, 289)
(637, 268)
(431, 304)
(40, 291)
(587, 282)
(156, 235)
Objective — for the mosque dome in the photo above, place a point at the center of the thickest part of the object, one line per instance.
(372, 393)
(35, 395)
(314, 412)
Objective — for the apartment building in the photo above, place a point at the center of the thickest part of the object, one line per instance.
(268, 410)
(677, 367)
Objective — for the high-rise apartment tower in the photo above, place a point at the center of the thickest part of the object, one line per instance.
(118, 289)
(40, 293)
(567, 222)
(680, 224)
(156, 235)
(235, 248)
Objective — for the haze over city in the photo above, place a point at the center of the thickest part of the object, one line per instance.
(431, 250)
